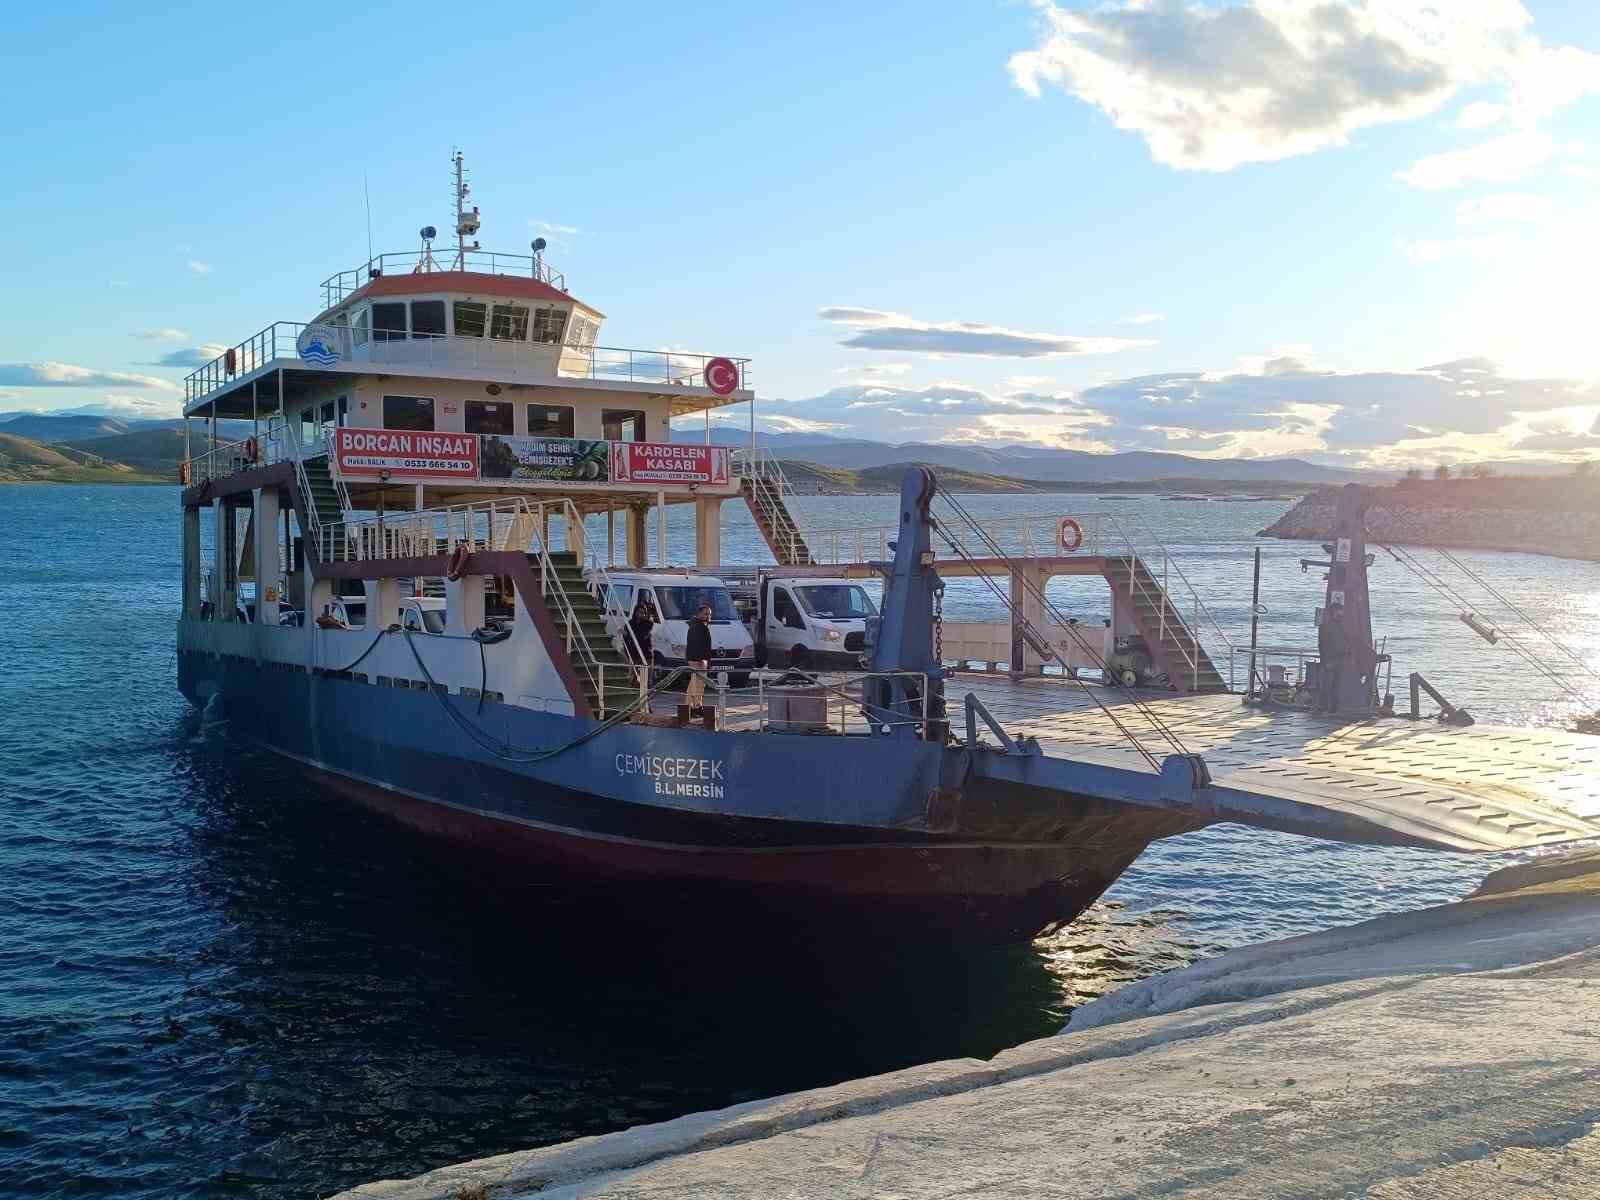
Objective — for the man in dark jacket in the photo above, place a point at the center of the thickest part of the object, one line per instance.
(698, 652)
(642, 626)
(1331, 651)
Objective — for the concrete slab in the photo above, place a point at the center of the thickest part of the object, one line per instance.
(1449, 1052)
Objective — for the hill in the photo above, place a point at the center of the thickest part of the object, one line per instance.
(25, 460)
(156, 451)
(810, 478)
(48, 427)
(1044, 463)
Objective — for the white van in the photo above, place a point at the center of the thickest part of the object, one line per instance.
(676, 598)
(422, 614)
(810, 623)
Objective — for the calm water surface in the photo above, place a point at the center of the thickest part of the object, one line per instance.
(214, 979)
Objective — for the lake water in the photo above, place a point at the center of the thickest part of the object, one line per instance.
(215, 979)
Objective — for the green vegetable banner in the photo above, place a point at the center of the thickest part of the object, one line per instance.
(543, 458)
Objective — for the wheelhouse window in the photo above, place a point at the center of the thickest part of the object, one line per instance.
(509, 322)
(550, 420)
(582, 332)
(427, 318)
(622, 425)
(549, 325)
(408, 412)
(358, 328)
(471, 317)
(484, 416)
(388, 322)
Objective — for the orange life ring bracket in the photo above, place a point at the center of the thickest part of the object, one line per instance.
(457, 566)
(1069, 535)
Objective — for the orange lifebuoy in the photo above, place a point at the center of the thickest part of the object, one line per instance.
(1069, 534)
(183, 473)
(252, 449)
(457, 566)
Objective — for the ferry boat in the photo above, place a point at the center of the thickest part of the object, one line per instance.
(401, 580)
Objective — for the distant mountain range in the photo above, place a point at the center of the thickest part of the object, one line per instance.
(156, 447)
(1039, 463)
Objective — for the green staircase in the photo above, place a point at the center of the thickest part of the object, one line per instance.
(776, 522)
(1182, 657)
(593, 653)
(323, 499)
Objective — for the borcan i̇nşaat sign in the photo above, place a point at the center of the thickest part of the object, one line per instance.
(369, 452)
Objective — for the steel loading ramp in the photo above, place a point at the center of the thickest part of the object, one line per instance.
(1388, 781)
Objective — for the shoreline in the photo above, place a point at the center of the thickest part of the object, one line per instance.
(1432, 1047)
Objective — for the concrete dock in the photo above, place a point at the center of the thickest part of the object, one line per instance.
(1449, 1052)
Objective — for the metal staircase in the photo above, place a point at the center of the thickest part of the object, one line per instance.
(765, 490)
(607, 677)
(1162, 626)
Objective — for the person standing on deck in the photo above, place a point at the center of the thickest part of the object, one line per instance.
(641, 625)
(1331, 653)
(698, 652)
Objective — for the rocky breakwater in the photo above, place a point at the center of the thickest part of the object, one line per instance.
(1556, 516)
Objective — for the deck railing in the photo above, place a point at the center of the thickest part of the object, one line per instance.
(1173, 599)
(408, 262)
(279, 343)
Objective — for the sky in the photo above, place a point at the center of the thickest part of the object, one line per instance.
(1362, 232)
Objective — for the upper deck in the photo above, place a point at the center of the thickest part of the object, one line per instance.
(489, 317)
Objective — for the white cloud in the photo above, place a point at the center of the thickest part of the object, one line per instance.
(1212, 86)
(56, 374)
(1481, 114)
(1274, 404)
(198, 267)
(879, 330)
(129, 406)
(194, 356)
(1506, 206)
(551, 228)
(164, 335)
(1144, 319)
(875, 370)
(1505, 157)
(787, 424)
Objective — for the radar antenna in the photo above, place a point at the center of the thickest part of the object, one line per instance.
(466, 221)
(425, 259)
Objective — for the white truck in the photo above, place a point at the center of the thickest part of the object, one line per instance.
(808, 622)
(676, 597)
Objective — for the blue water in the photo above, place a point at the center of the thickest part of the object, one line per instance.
(215, 979)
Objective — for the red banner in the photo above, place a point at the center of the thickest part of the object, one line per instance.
(367, 452)
(668, 462)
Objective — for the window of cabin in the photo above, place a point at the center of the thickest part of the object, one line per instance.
(389, 322)
(581, 333)
(308, 425)
(549, 325)
(325, 417)
(359, 328)
(484, 416)
(470, 315)
(509, 322)
(427, 318)
(622, 425)
(408, 412)
(549, 420)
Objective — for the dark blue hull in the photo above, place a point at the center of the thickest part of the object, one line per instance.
(799, 825)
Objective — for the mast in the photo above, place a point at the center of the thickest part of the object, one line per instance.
(466, 222)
